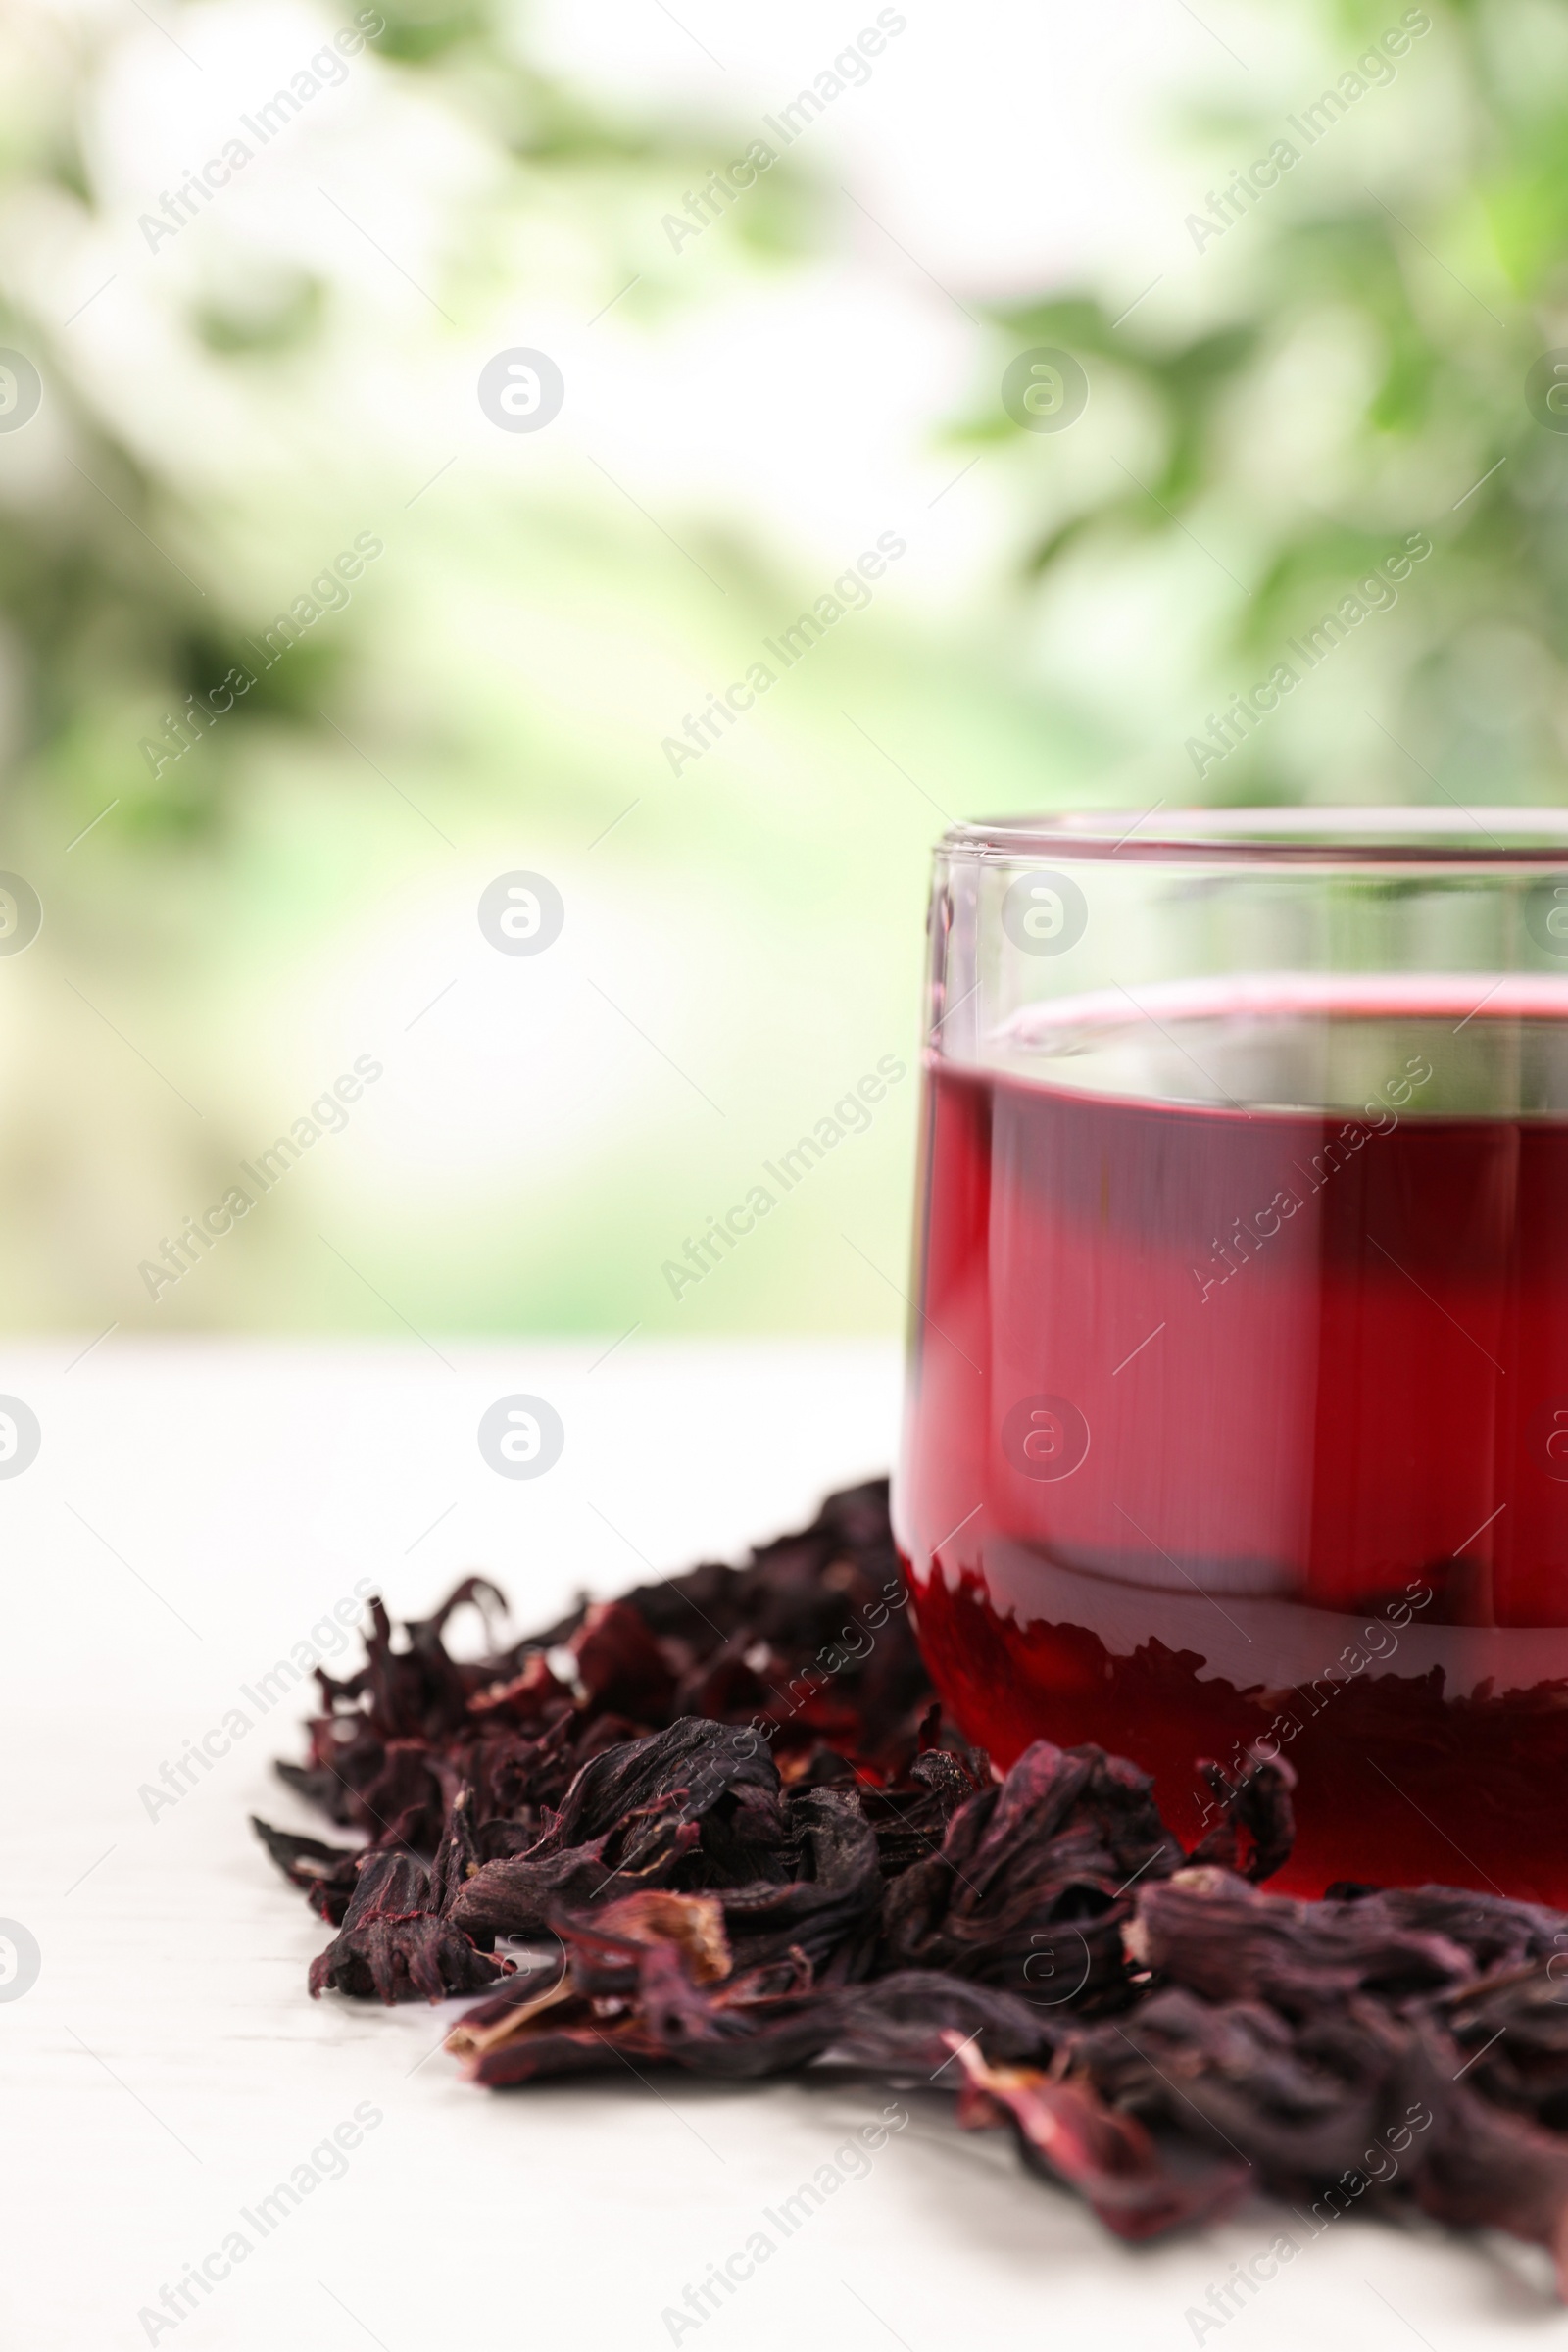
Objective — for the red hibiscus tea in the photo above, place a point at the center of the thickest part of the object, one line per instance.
(1237, 1409)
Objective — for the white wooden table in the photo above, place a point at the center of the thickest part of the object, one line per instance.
(191, 1514)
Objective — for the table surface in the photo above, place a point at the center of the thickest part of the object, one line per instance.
(192, 1513)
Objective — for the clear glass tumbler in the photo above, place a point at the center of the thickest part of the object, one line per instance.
(1238, 1394)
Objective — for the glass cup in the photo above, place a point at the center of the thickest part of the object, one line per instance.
(1237, 1413)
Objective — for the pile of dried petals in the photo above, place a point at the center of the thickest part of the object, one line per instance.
(731, 1833)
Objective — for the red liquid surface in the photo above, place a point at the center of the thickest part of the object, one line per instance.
(1233, 1420)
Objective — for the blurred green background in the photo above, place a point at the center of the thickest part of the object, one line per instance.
(1289, 373)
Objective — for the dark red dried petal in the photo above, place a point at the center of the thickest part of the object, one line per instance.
(806, 1867)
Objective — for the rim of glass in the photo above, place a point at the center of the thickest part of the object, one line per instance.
(1318, 835)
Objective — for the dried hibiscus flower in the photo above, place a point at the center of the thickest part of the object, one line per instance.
(740, 1839)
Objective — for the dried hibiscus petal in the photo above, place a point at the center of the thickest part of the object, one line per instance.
(744, 1841)
(393, 1944)
(325, 1874)
(1065, 2129)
